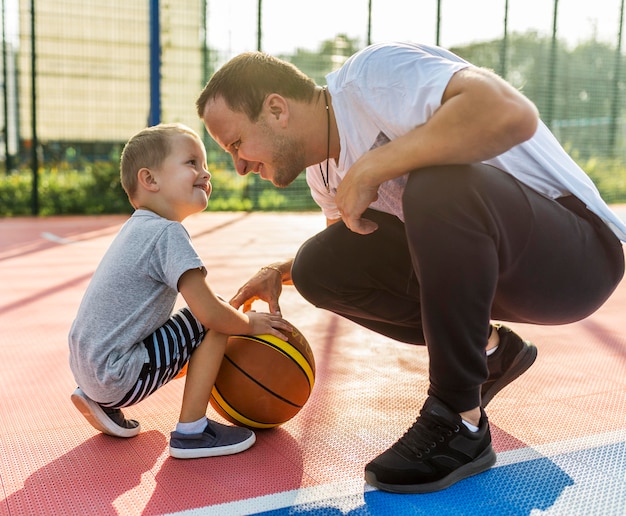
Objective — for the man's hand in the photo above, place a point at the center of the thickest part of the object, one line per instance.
(265, 285)
(354, 195)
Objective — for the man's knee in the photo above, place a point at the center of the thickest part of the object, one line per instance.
(303, 270)
(316, 268)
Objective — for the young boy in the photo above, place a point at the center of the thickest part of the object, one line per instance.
(125, 342)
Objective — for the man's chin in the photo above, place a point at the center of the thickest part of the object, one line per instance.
(283, 182)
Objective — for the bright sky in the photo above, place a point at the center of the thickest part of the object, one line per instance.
(290, 24)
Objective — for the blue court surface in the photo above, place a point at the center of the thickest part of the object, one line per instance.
(559, 430)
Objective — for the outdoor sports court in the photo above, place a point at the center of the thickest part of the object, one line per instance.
(560, 430)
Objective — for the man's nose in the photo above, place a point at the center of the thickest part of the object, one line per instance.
(242, 166)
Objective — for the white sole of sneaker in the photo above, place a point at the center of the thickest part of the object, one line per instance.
(97, 417)
(199, 453)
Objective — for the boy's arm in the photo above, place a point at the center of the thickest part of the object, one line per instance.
(218, 315)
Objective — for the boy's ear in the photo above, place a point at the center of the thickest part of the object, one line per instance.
(147, 180)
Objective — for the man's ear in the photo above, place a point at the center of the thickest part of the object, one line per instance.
(277, 107)
(147, 180)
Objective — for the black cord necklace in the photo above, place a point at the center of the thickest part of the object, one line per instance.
(325, 178)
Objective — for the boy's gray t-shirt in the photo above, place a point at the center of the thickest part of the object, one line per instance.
(132, 293)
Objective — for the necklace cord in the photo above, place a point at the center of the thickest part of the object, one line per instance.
(325, 178)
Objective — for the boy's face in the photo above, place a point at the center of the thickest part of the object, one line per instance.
(183, 178)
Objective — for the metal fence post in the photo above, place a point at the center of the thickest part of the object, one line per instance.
(154, 116)
(34, 138)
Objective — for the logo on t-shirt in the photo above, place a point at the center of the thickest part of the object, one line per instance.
(381, 139)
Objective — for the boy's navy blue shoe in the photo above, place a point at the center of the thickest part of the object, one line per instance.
(437, 451)
(512, 358)
(107, 420)
(215, 440)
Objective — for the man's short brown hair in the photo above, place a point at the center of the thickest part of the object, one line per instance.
(246, 80)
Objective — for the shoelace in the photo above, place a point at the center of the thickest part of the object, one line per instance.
(425, 434)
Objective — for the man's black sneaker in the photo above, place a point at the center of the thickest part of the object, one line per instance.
(512, 358)
(437, 451)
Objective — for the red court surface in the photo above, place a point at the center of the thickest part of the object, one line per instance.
(560, 430)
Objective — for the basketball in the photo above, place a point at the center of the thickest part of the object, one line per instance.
(263, 381)
(182, 373)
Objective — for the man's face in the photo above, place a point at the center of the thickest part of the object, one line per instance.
(263, 147)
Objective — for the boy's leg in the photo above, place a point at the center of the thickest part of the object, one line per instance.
(110, 421)
(169, 349)
(215, 439)
(202, 370)
(181, 340)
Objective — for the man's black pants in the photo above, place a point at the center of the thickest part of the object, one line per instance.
(476, 245)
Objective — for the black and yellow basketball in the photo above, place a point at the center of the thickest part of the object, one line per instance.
(264, 381)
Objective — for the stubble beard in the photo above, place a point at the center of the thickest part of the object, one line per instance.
(288, 158)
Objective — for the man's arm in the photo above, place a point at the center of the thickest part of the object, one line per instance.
(481, 117)
(266, 284)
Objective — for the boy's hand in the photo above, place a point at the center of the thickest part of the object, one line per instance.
(265, 323)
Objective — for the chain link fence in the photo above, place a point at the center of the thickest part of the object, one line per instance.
(81, 76)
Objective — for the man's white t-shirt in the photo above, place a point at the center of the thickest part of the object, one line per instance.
(386, 90)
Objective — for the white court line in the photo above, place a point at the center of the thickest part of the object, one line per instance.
(282, 500)
(356, 487)
(57, 239)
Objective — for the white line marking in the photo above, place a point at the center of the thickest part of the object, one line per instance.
(356, 487)
(57, 239)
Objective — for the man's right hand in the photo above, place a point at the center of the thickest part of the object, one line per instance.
(266, 285)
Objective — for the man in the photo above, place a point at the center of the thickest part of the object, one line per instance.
(449, 205)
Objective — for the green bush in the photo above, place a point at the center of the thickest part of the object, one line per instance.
(609, 175)
(104, 192)
(15, 195)
(96, 189)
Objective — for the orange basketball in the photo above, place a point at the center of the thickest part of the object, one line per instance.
(182, 373)
(263, 381)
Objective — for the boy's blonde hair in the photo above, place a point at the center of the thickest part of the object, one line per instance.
(148, 149)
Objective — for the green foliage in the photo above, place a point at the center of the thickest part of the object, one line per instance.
(62, 193)
(104, 192)
(331, 54)
(579, 93)
(15, 195)
(97, 190)
(609, 175)
(94, 190)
